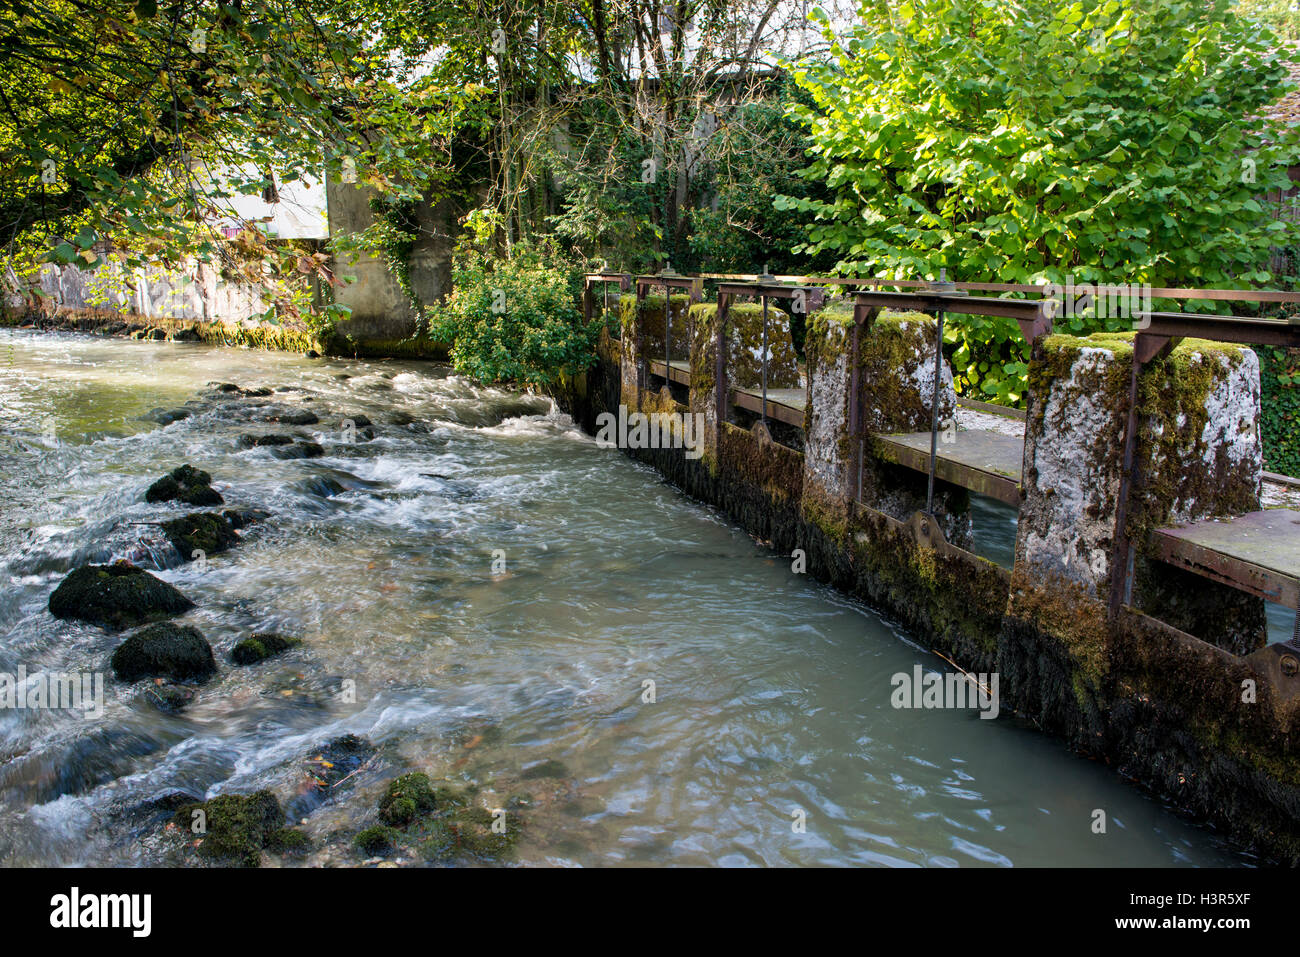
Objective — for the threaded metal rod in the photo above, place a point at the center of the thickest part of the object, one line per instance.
(934, 414)
(764, 412)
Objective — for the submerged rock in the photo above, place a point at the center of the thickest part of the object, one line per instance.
(184, 484)
(441, 823)
(290, 416)
(549, 768)
(165, 650)
(259, 441)
(241, 518)
(325, 770)
(299, 450)
(148, 814)
(166, 416)
(260, 646)
(321, 486)
(206, 532)
(120, 595)
(235, 827)
(169, 699)
(97, 757)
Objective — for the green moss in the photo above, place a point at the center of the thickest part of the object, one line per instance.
(768, 467)
(410, 348)
(485, 835)
(288, 841)
(889, 354)
(260, 646)
(376, 840)
(1067, 612)
(407, 798)
(442, 824)
(233, 827)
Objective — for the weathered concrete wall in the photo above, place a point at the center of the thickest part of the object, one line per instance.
(1206, 728)
(194, 291)
(381, 310)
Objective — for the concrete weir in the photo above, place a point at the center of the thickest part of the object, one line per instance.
(1172, 683)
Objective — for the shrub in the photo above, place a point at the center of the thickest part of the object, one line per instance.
(1112, 141)
(516, 319)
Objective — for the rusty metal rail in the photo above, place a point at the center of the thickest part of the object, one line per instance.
(1159, 334)
(604, 279)
(669, 279)
(804, 299)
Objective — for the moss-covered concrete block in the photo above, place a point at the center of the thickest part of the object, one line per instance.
(1198, 455)
(895, 372)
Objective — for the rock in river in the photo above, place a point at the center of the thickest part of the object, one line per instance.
(299, 450)
(261, 646)
(165, 650)
(117, 596)
(185, 484)
(205, 532)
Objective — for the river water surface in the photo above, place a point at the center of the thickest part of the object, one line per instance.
(498, 591)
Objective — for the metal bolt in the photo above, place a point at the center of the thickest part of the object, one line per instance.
(1290, 666)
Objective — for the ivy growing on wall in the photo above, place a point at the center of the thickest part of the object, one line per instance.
(1279, 376)
(392, 236)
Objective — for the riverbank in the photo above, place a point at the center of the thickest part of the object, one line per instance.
(247, 334)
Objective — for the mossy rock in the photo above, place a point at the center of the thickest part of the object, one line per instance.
(240, 518)
(247, 441)
(234, 827)
(407, 798)
(441, 823)
(481, 834)
(165, 650)
(169, 699)
(288, 842)
(184, 484)
(206, 532)
(120, 595)
(377, 840)
(260, 646)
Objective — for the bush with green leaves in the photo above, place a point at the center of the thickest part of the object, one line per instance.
(516, 319)
(1112, 141)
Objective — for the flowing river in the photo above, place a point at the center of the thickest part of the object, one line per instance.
(497, 591)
